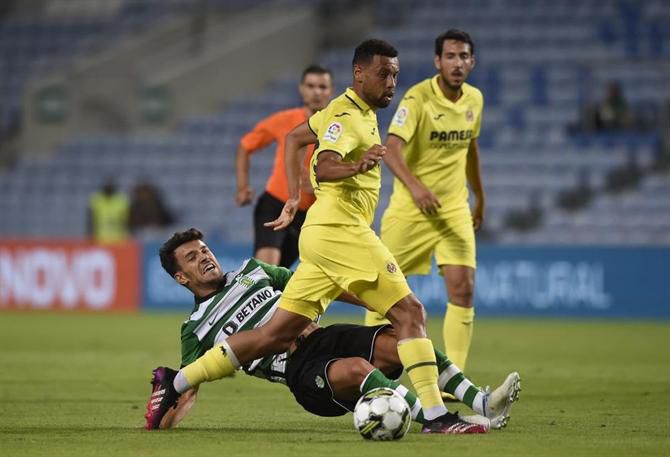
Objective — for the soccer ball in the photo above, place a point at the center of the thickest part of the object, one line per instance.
(382, 415)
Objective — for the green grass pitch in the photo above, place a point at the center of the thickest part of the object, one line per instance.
(76, 385)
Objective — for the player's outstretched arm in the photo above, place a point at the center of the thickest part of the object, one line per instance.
(296, 141)
(472, 170)
(176, 415)
(424, 199)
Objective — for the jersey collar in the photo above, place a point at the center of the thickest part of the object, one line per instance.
(440, 95)
(356, 100)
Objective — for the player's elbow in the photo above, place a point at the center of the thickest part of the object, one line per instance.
(326, 171)
(320, 174)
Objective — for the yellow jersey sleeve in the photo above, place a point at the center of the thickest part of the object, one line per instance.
(478, 120)
(338, 134)
(407, 117)
(314, 122)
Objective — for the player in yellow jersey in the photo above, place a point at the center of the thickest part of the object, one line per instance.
(432, 150)
(340, 255)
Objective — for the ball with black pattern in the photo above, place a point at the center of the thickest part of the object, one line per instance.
(382, 415)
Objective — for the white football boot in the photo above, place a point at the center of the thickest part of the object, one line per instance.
(499, 402)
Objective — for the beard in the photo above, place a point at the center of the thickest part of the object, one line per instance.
(383, 102)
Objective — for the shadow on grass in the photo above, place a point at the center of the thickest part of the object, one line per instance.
(68, 400)
(93, 428)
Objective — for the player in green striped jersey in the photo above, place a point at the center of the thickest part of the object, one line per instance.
(328, 368)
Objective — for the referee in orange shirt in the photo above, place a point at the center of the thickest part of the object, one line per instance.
(280, 247)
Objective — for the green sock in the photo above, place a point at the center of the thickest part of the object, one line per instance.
(377, 379)
(453, 381)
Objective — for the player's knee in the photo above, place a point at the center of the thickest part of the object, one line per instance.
(462, 291)
(358, 369)
(409, 312)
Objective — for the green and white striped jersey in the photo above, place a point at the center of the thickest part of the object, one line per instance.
(246, 299)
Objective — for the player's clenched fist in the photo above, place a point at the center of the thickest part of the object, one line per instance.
(371, 158)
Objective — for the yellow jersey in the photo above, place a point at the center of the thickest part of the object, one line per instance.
(437, 134)
(348, 127)
(109, 214)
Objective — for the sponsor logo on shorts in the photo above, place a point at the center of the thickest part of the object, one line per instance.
(391, 268)
(333, 132)
(320, 383)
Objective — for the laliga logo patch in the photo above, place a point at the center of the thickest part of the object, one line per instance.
(400, 116)
(320, 383)
(391, 268)
(469, 116)
(333, 132)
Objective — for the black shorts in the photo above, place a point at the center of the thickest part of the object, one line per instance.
(307, 367)
(267, 209)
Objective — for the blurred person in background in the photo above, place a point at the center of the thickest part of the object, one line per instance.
(280, 247)
(108, 213)
(613, 113)
(148, 211)
(610, 114)
(432, 150)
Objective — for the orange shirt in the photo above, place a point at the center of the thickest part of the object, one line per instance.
(275, 128)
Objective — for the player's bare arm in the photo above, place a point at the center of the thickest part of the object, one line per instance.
(245, 193)
(305, 184)
(331, 167)
(352, 299)
(424, 199)
(296, 142)
(474, 175)
(175, 415)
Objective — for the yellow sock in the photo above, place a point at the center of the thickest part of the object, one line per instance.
(457, 332)
(214, 364)
(373, 318)
(418, 357)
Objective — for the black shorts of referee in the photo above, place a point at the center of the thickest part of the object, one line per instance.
(268, 208)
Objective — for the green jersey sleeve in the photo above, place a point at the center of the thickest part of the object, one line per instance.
(190, 346)
(279, 276)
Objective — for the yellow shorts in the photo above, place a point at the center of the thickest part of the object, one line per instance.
(335, 258)
(450, 239)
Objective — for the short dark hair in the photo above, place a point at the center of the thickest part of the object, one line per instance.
(315, 70)
(453, 34)
(366, 51)
(166, 252)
